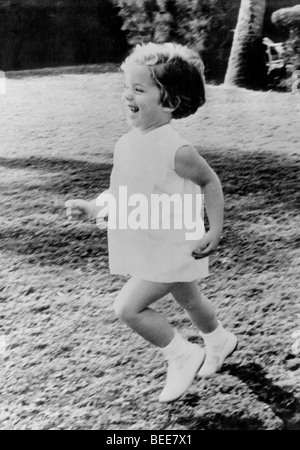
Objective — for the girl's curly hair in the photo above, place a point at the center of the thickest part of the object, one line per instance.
(178, 72)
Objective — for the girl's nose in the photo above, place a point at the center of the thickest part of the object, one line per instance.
(128, 94)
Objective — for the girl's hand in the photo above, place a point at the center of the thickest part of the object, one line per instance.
(207, 245)
(78, 210)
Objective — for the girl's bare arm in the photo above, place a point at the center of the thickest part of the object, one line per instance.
(190, 165)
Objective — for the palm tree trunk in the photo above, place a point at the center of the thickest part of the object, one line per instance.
(246, 66)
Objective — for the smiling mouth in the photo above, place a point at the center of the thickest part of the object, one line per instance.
(133, 109)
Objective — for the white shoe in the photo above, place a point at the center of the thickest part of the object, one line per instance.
(216, 354)
(181, 373)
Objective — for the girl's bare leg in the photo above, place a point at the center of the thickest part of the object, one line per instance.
(219, 343)
(199, 308)
(132, 307)
(184, 359)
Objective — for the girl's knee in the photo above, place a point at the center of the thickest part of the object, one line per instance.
(119, 308)
(123, 311)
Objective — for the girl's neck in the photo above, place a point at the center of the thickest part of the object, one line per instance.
(153, 127)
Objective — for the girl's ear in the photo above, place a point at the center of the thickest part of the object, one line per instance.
(173, 105)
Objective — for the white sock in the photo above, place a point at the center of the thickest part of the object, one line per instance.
(215, 338)
(176, 348)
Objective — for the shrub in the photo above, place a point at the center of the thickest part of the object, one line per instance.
(288, 19)
(145, 20)
(204, 25)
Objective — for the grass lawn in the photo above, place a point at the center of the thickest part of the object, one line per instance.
(70, 364)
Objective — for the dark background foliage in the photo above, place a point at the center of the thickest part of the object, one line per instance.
(206, 25)
(44, 33)
(52, 33)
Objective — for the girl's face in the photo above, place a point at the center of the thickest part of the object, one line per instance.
(142, 100)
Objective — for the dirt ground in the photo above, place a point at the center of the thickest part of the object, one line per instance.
(69, 362)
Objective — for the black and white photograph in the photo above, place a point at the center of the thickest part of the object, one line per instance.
(150, 217)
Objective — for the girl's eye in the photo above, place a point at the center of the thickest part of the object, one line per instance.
(138, 90)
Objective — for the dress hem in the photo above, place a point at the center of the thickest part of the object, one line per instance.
(145, 278)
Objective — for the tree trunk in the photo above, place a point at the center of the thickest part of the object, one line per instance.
(246, 62)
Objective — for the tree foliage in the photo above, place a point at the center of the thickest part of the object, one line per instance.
(145, 20)
(48, 3)
(289, 19)
(202, 24)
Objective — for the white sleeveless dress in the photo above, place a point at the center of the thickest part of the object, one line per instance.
(145, 164)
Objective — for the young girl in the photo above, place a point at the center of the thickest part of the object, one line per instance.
(164, 82)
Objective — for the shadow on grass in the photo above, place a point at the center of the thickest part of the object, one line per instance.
(53, 242)
(68, 176)
(269, 181)
(270, 177)
(283, 403)
(218, 421)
